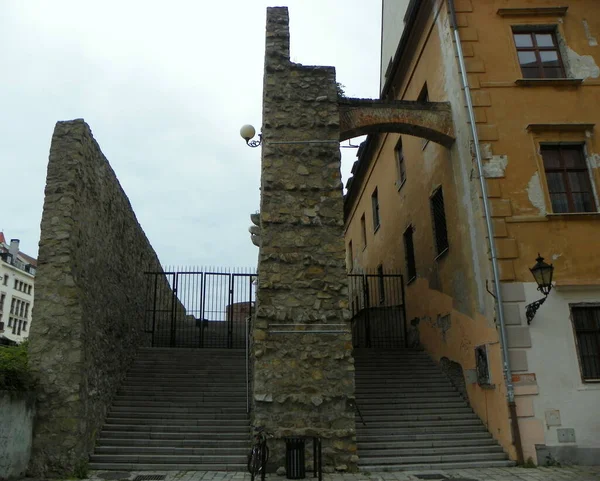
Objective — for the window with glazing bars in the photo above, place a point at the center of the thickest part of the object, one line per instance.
(586, 322)
(438, 216)
(409, 254)
(375, 204)
(538, 53)
(568, 178)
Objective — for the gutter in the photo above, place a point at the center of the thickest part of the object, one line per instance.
(510, 391)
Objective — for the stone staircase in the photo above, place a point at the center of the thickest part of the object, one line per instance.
(178, 409)
(415, 418)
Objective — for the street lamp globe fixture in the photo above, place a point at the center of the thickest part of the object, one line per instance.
(542, 273)
(248, 132)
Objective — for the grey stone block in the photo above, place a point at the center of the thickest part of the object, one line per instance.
(518, 337)
(513, 292)
(512, 314)
(518, 359)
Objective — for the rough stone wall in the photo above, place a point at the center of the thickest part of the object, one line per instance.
(303, 382)
(89, 299)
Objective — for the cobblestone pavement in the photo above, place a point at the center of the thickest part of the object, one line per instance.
(579, 473)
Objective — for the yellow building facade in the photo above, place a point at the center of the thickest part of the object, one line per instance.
(534, 75)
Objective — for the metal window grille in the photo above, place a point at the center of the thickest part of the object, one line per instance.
(375, 202)
(409, 252)
(363, 228)
(438, 214)
(400, 163)
(586, 322)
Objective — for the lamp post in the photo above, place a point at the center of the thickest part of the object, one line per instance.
(542, 273)
(247, 132)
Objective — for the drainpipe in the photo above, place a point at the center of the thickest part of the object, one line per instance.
(510, 391)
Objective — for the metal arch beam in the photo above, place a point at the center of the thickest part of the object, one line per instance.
(428, 120)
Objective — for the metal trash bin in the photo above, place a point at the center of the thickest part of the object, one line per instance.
(295, 466)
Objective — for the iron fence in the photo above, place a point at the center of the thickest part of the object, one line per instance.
(378, 309)
(195, 308)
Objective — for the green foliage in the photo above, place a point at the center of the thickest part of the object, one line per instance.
(529, 463)
(14, 372)
(81, 470)
(340, 89)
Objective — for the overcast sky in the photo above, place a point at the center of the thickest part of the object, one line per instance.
(165, 87)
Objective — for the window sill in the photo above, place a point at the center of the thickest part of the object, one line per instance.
(550, 82)
(574, 215)
(441, 254)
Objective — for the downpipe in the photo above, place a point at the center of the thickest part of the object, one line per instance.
(510, 391)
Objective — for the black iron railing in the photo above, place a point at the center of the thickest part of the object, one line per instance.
(199, 308)
(378, 309)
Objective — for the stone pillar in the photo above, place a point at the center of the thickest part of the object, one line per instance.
(302, 346)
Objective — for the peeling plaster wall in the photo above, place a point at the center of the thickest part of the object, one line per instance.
(582, 66)
(495, 166)
(536, 193)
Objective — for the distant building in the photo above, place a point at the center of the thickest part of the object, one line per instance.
(17, 278)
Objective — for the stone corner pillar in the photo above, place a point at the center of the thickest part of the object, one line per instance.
(302, 345)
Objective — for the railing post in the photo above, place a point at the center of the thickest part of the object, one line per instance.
(154, 306)
(173, 310)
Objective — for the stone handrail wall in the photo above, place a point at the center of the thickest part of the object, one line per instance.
(89, 299)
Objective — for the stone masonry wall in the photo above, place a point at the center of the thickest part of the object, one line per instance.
(304, 370)
(89, 299)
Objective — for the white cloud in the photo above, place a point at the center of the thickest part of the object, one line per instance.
(165, 87)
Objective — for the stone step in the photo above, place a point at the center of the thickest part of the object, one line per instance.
(189, 413)
(170, 428)
(218, 380)
(221, 459)
(428, 459)
(458, 437)
(179, 406)
(139, 466)
(184, 400)
(230, 390)
(210, 397)
(363, 432)
(215, 443)
(217, 372)
(196, 437)
(367, 446)
(240, 451)
(398, 382)
(375, 453)
(169, 420)
(424, 390)
(436, 466)
(417, 409)
(415, 423)
(409, 398)
(391, 420)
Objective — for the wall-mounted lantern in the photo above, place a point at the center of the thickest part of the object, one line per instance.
(247, 132)
(542, 273)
